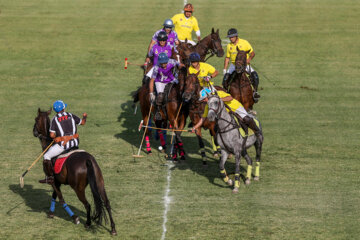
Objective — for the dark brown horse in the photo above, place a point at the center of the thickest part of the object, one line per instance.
(171, 113)
(80, 169)
(211, 44)
(196, 109)
(240, 86)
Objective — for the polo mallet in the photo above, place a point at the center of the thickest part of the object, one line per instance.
(138, 155)
(23, 175)
(129, 63)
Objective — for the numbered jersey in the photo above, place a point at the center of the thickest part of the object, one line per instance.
(65, 124)
(165, 75)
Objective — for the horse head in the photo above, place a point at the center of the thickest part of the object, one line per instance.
(191, 87)
(184, 51)
(215, 107)
(216, 46)
(42, 127)
(240, 60)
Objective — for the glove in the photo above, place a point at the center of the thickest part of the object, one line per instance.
(175, 81)
(152, 97)
(84, 115)
(207, 78)
(224, 71)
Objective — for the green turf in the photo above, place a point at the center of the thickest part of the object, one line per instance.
(307, 54)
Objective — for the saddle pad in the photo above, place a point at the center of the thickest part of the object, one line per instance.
(59, 163)
(250, 131)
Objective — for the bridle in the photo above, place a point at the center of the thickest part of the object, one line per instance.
(213, 50)
(39, 135)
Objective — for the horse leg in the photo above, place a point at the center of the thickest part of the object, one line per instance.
(224, 156)
(237, 172)
(51, 212)
(81, 195)
(162, 139)
(258, 147)
(202, 148)
(180, 145)
(249, 167)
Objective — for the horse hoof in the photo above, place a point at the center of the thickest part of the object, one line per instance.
(87, 225)
(230, 182)
(50, 214)
(216, 155)
(247, 181)
(76, 219)
(235, 190)
(113, 232)
(256, 178)
(230, 156)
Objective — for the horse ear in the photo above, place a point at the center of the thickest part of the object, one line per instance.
(212, 31)
(39, 111)
(237, 48)
(48, 112)
(217, 31)
(197, 74)
(185, 40)
(248, 51)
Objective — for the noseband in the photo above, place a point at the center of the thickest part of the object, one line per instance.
(39, 135)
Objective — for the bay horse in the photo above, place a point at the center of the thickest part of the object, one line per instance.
(211, 44)
(172, 114)
(196, 109)
(240, 86)
(232, 142)
(79, 170)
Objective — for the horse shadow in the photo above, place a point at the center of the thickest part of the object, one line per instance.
(38, 200)
(130, 122)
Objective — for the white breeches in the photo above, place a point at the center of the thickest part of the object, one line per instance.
(242, 112)
(149, 74)
(160, 87)
(189, 41)
(232, 68)
(53, 151)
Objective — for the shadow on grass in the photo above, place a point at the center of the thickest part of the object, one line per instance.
(39, 201)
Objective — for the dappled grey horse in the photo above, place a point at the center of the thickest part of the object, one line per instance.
(230, 140)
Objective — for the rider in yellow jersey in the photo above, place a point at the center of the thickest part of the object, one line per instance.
(234, 105)
(231, 52)
(185, 23)
(204, 68)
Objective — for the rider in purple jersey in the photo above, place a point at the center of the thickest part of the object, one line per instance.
(172, 35)
(161, 76)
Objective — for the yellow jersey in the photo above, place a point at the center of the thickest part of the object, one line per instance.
(184, 26)
(233, 104)
(231, 50)
(205, 70)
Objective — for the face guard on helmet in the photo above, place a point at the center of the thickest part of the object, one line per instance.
(162, 36)
(232, 33)
(194, 57)
(163, 58)
(168, 23)
(59, 105)
(188, 8)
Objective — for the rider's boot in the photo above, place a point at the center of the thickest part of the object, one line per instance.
(254, 77)
(225, 80)
(48, 169)
(159, 101)
(249, 121)
(145, 79)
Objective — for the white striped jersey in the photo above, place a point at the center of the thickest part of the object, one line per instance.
(65, 124)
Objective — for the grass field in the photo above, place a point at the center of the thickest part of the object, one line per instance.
(307, 54)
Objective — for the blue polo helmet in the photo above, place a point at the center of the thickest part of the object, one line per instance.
(59, 105)
(194, 57)
(163, 58)
(204, 93)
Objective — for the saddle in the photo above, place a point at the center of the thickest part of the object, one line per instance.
(59, 161)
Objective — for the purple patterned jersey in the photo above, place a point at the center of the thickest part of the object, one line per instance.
(172, 37)
(164, 75)
(157, 49)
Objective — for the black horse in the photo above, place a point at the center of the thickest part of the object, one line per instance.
(80, 169)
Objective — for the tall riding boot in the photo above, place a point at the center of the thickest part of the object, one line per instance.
(159, 101)
(225, 80)
(254, 77)
(49, 172)
(145, 79)
(249, 121)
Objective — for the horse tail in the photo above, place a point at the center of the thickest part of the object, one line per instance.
(99, 212)
(135, 95)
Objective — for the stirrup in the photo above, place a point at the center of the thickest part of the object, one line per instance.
(49, 180)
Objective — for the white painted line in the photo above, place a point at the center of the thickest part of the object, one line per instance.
(167, 200)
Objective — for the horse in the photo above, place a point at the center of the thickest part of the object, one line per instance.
(211, 44)
(196, 109)
(172, 114)
(231, 142)
(80, 169)
(240, 86)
